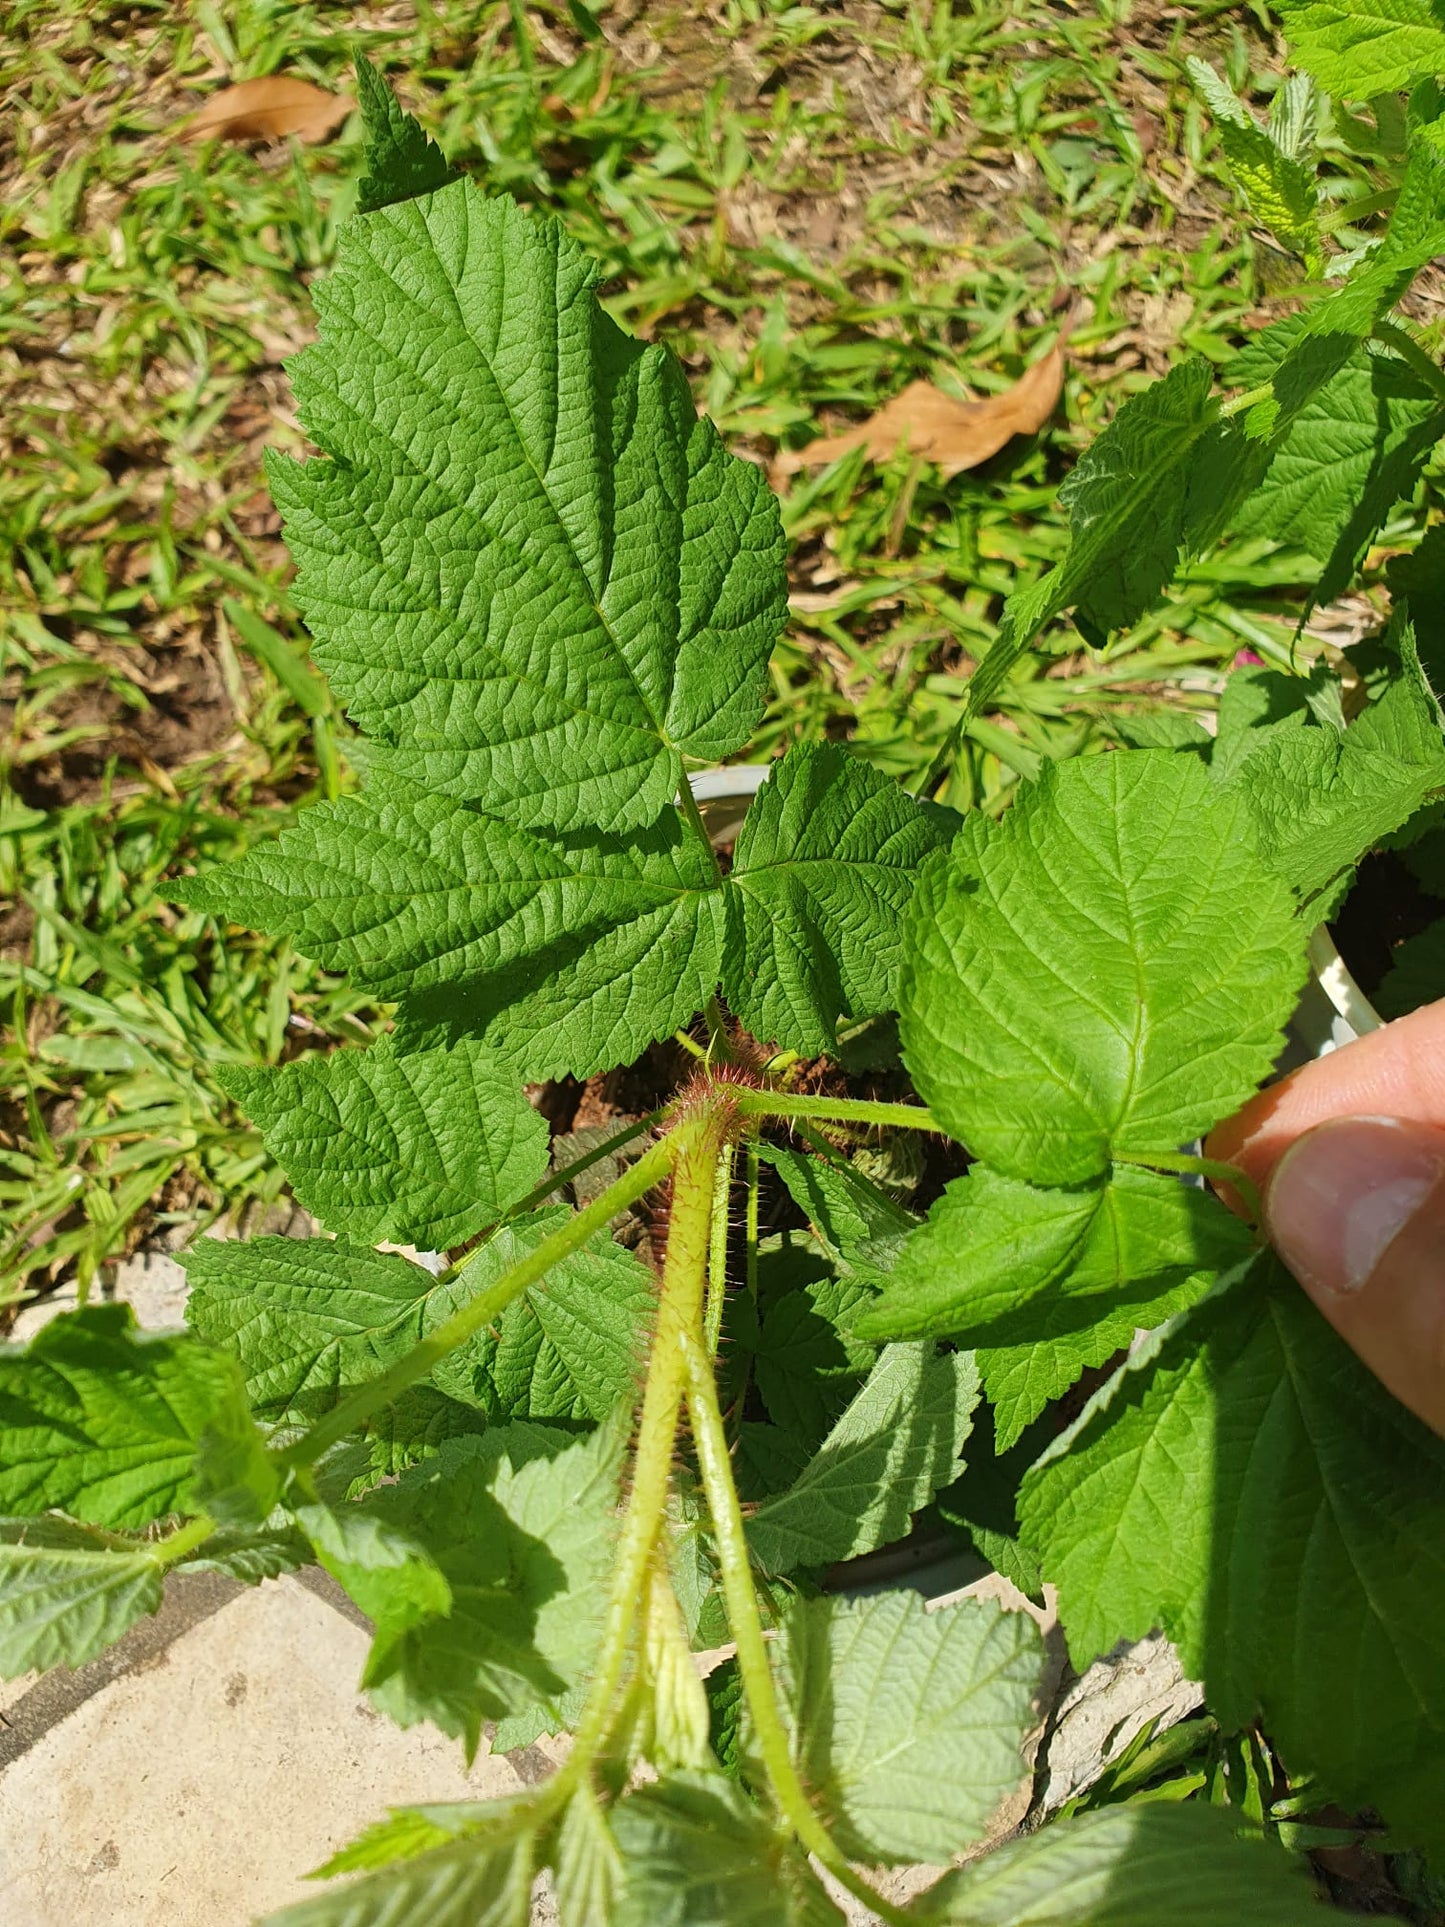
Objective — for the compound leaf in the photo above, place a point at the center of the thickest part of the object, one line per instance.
(401, 162)
(1279, 188)
(696, 1852)
(1249, 1487)
(423, 1149)
(533, 575)
(311, 1319)
(907, 1724)
(1359, 48)
(564, 954)
(571, 1348)
(1045, 1283)
(66, 1594)
(1320, 799)
(1132, 1866)
(1106, 971)
(822, 875)
(518, 1524)
(1354, 448)
(895, 1446)
(104, 1422)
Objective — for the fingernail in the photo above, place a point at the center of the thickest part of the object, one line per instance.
(1342, 1195)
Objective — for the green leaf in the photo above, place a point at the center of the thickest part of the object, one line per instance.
(587, 1867)
(1320, 799)
(1162, 478)
(697, 1853)
(1043, 1284)
(390, 1575)
(251, 1553)
(519, 1525)
(896, 1444)
(66, 1593)
(533, 574)
(563, 954)
(408, 1831)
(1305, 1516)
(844, 1209)
(797, 1339)
(237, 1481)
(1355, 447)
(822, 874)
(1257, 704)
(907, 1724)
(478, 1881)
(1105, 972)
(414, 1427)
(1132, 1866)
(982, 1505)
(103, 1422)
(1415, 235)
(1359, 48)
(1416, 975)
(401, 162)
(570, 1348)
(311, 1319)
(422, 1150)
(1279, 188)
(1418, 580)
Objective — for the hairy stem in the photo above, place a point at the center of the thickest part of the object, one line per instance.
(1187, 1165)
(1241, 404)
(717, 1256)
(841, 1110)
(751, 1226)
(679, 1311)
(181, 1544)
(747, 1631)
(540, 1193)
(479, 1312)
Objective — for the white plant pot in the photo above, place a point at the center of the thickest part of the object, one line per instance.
(1332, 1009)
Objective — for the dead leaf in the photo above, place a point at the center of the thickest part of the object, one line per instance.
(268, 110)
(954, 434)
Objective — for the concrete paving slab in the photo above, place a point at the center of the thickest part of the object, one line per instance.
(195, 1789)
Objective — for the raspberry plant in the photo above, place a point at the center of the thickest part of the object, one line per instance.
(547, 593)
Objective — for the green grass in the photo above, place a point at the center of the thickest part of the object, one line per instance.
(812, 205)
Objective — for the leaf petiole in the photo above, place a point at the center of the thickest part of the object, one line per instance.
(746, 1625)
(838, 1110)
(1185, 1164)
(182, 1543)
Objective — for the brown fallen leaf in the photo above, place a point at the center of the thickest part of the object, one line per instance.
(268, 110)
(954, 434)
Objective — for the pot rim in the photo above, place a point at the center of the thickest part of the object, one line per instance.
(1332, 974)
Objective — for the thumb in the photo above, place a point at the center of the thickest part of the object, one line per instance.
(1356, 1208)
